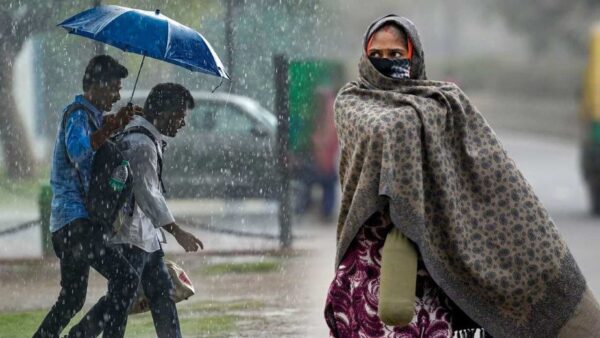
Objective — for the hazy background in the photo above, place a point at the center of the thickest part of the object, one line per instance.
(528, 58)
(522, 64)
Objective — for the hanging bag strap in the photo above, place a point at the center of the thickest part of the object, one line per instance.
(148, 133)
(144, 131)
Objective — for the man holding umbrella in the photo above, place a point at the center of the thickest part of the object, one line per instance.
(150, 34)
(77, 243)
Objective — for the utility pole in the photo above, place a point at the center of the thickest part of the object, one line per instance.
(280, 64)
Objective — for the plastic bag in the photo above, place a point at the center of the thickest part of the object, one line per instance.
(182, 283)
(397, 289)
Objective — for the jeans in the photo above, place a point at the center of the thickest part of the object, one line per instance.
(80, 245)
(157, 286)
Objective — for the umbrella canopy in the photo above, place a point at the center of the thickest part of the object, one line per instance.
(149, 34)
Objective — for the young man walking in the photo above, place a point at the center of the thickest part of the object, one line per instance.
(138, 238)
(78, 243)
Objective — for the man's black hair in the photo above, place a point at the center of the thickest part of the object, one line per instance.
(166, 97)
(102, 69)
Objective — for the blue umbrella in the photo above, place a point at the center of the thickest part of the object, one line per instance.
(149, 34)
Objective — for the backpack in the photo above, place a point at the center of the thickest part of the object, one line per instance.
(141, 130)
(103, 200)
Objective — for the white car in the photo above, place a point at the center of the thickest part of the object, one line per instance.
(226, 150)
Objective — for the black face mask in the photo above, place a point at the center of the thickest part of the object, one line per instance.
(396, 69)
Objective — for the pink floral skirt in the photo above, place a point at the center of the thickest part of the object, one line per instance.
(351, 308)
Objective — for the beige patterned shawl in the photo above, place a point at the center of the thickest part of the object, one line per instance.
(422, 148)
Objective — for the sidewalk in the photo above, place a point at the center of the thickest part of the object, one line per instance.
(21, 244)
(253, 217)
(266, 294)
(305, 281)
(230, 221)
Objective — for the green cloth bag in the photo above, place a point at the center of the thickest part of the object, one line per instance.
(397, 289)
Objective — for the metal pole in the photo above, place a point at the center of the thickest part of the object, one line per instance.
(44, 201)
(136, 80)
(99, 47)
(229, 43)
(280, 63)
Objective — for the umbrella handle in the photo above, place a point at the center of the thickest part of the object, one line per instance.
(136, 81)
(217, 87)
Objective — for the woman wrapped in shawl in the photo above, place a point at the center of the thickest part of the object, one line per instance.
(418, 156)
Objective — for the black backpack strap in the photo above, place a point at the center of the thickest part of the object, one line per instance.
(68, 111)
(142, 130)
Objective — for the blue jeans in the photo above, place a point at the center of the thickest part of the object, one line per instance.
(158, 288)
(79, 245)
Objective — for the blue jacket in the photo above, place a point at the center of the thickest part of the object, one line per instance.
(72, 148)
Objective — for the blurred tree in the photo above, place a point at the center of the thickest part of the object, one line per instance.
(550, 21)
(18, 21)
